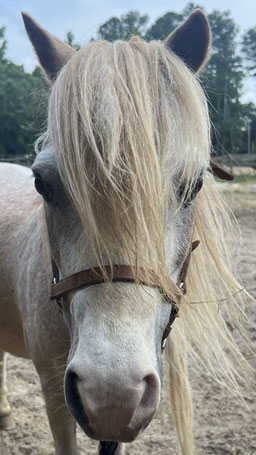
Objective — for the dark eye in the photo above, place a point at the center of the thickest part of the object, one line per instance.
(188, 197)
(42, 189)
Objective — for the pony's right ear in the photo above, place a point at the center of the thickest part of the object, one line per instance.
(52, 53)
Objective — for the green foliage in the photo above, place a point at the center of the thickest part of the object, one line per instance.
(222, 80)
(23, 96)
(248, 114)
(128, 25)
(164, 26)
(249, 49)
(189, 8)
(22, 112)
(70, 40)
(3, 43)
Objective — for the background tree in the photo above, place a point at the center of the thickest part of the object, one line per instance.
(222, 78)
(3, 43)
(248, 115)
(23, 96)
(70, 37)
(22, 107)
(222, 81)
(249, 49)
(132, 23)
(189, 8)
(164, 26)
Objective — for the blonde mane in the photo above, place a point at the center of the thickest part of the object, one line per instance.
(125, 121)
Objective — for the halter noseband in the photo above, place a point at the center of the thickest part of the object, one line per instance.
(117, 273)
(120, 273)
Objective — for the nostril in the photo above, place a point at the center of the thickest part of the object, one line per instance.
(72, 395)
(73, 400)
(151, 390)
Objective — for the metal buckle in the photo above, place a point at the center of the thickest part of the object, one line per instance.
(164, 343)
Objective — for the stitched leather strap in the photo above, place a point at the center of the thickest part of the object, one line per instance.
(95, 275)
(117, 273)
(219, 172)
(184, 270)
(123, 273)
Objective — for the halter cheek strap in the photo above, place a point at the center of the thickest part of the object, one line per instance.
(182, 285)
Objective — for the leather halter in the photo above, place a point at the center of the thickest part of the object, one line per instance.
(124, 273)
(117, 273)
(121, 273)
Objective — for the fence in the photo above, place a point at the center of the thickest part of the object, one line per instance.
(242, 159)
(25, 160)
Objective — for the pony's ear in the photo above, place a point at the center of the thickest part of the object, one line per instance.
(191, 40)
(52, 53)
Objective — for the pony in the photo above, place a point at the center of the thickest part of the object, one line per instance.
(122, 189)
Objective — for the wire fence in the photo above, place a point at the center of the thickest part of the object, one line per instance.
(25, 160)
(237, 160)
(229, 160)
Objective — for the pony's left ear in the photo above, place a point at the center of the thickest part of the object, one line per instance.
(52, 53)
(191, 40)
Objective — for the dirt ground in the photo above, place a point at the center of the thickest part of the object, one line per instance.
(223, 425)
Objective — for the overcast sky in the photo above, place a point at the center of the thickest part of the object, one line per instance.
(83, 17)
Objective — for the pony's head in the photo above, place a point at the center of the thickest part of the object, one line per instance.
(124, 156)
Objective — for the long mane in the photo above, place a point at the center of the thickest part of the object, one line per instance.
(125, 119)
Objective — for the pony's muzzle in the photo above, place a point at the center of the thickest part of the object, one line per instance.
(112, 407)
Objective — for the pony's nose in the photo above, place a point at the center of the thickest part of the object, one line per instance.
(117, 407)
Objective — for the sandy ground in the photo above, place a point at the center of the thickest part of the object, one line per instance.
(223, 425)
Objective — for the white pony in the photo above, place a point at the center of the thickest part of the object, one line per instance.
(125, 186)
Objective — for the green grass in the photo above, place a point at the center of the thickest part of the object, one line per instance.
(244, 179)
(241, 179)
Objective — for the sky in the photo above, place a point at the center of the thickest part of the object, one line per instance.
(83, 17)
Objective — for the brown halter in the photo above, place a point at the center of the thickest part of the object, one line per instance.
(120, 273)
(124, 273)
(117, 273)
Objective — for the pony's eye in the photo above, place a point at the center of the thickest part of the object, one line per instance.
(188, 197)
(42, 189)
